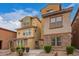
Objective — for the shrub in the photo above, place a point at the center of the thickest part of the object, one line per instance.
(47, 48)
(12, 46)
(20, 50)
(70, 50)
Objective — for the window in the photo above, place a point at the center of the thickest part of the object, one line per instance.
(53, 42)
(27, 32)
(59, 19)
(23, 33)
(56, 41)
(56, 22)
(52, 20)
(26, 22)
(18, 33)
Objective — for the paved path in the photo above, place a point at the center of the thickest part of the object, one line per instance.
(34, 52)
(4, 52)
(31, 53)
(37, 52)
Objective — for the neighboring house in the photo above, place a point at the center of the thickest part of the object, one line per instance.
(75, 30)
(29, 33)
(56, 26)
(5, 37)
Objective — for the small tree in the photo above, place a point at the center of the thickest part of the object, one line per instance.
(12, 46)
(47, 48)
(70, 50)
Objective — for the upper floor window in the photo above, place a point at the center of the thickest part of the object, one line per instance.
(52, 20)
(27, 32)
(18, 33)
(26, 22)
(23, 33)
(59, 19)
(56, 22)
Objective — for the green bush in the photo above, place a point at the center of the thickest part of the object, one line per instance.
(20, 50)
(47, 48)
(70, 50)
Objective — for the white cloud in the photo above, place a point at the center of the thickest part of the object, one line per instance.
(1, 18)
(11, 20)
(11, 25)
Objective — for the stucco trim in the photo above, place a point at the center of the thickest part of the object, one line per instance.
(26, 27)
(56, 34)
(22, 38)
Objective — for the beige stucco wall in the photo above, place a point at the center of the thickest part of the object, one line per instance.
(37, 22)
(30, 43)
(66, 26)
(55, 7)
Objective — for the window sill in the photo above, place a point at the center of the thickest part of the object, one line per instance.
(55, 27)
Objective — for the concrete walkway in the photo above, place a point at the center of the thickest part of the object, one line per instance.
(37, 52)
(4, 52)
(31, 53)
(34, 52)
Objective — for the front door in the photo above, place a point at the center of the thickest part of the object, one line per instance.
(37, 44)
(0, 44)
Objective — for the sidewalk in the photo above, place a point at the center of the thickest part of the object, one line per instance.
(31, 53)
(37, 52)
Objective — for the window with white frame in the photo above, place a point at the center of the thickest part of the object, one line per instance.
(52, 20)
(56, 41)
(56, 22)
(58, 19)
(27, 32)
(55, 19)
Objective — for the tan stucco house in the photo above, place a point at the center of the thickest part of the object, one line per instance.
(29, 33)
(56, 26)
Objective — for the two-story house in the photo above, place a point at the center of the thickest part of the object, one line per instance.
(56, 26)
(29, 33)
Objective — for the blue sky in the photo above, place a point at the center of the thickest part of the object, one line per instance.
(11, 13)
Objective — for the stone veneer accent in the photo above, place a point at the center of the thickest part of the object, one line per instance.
(65, 40)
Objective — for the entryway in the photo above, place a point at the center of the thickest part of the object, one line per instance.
(0, 44)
